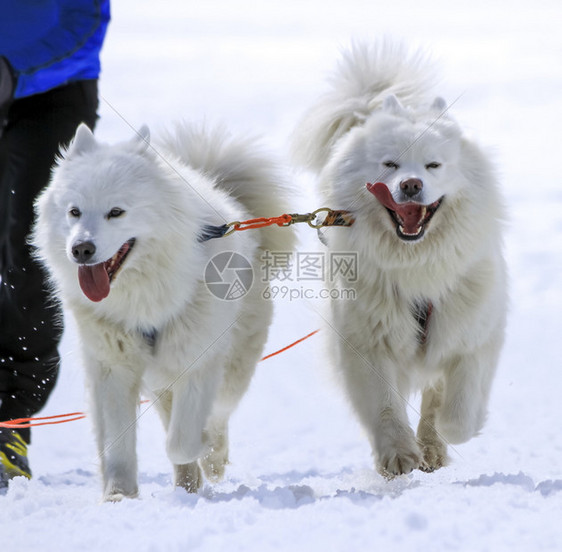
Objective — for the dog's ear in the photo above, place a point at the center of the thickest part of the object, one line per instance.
(142, 139)
(82, 142)
(392, 105)
(439, 104)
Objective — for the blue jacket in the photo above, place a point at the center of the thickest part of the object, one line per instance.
(50, 43)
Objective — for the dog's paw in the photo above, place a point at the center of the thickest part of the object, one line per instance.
(214, 465)
(399, 462)
(433, 447)
(113, 497)
(434, 455)
(115, 494)
(216, 459)
(188, 476)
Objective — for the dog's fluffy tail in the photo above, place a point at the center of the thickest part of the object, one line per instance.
(241, 168)
(364, 77)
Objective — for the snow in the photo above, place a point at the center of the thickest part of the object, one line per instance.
(301, 476)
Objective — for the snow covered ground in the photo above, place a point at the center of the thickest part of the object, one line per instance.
(301, 476)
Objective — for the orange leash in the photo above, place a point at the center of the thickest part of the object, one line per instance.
(32, 422)
(19, 423)
(289, 346)
(332, 218)
(283, 220)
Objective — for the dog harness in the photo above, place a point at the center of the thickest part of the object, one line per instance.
(422, 312)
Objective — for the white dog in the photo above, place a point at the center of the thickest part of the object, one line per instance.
(125, 232)
(431, 294)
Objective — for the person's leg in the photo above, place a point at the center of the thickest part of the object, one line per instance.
(31, 321)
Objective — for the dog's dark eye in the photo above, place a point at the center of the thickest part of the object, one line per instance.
(74, 212)
(433, 165)
(391, 165)
(115, 212)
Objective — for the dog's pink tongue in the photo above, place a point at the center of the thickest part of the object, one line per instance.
(94, 281)
(410, 213)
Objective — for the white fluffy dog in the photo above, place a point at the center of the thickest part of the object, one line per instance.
(431, 294)
(123, 231)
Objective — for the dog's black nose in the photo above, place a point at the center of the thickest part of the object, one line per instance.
(83, 251)
(411, 186)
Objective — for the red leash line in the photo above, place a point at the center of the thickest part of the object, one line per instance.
(333, 218)
(289, 346)
(283, 220)
(31, 422)
(19, 423)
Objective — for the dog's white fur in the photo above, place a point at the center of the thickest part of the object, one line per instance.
(206, 349)
(379, 112)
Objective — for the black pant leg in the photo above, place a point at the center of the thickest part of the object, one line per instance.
(30, 320)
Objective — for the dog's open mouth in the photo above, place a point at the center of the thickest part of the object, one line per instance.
(95, 280)
(411, 218)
